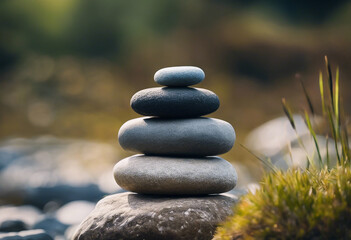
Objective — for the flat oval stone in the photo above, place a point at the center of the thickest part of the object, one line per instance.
(181, 76)
(174, 102)
(175, 176)
(131, 216)
(177, 137)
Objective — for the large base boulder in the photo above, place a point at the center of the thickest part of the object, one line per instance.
(135, 216)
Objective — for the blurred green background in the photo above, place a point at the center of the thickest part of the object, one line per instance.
(68, 68)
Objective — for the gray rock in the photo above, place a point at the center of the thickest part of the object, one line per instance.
(174, 102)
(26, 235)
(62, 194)
(175, 176)
(52, 226)
(12, 226)
(181, 76)
(177, 137)
(74, 212)
(27, 214)
(279, 142)
(272, 136)
(134, 216)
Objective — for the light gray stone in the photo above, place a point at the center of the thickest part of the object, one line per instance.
(141, 217)
(177, 137)
(175, 176)
(278, 141)
(181, 76)
(182, 102)
(74, 212)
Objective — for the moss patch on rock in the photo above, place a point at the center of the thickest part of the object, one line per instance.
(314, 204)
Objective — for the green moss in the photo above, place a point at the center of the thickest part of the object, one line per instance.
(314, 204)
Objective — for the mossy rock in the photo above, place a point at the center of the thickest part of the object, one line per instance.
(294, 205)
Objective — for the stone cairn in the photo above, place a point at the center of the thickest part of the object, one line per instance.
(176, 181)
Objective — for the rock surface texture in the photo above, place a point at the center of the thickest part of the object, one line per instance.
(136, 216)
(177, 171)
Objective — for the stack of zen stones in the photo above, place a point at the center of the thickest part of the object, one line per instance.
(176, 143)
(176, 179)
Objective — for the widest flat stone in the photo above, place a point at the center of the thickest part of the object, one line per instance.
(175, 176)
(180, 76)
(177, 137)
(174, 102)
(141, 217)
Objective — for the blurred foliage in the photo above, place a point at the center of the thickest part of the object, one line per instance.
(70, 67)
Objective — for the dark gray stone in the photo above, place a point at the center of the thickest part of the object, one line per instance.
(52, 226)
(175, 176)
(29, 215)
(62, 194)
(13, 226)
(26, 235)
(135, 216)
(174, 102)
(181, 76)
(177, 137)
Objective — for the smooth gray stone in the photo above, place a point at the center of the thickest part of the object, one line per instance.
(181, 76)
(29, 215)
(174, 102)
(51, 226)
(74, 212)
(13, 226)
(38, 234)
(175, 176)
(177, 137)
(144, 217)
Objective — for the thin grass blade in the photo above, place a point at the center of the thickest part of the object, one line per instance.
(336, 97)
(327, 148)
(310, 105)
(346, 142)
(266, 163)
(288, 113)
(330, 80)
(290, 153)
(308, 121)
(343, 129)
(332, 126)
(321, 89)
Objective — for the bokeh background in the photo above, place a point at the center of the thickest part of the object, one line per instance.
(68, 68)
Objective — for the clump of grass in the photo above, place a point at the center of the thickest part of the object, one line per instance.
(332, 113)
(314, 204)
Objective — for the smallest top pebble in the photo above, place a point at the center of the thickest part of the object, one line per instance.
(182, 76)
